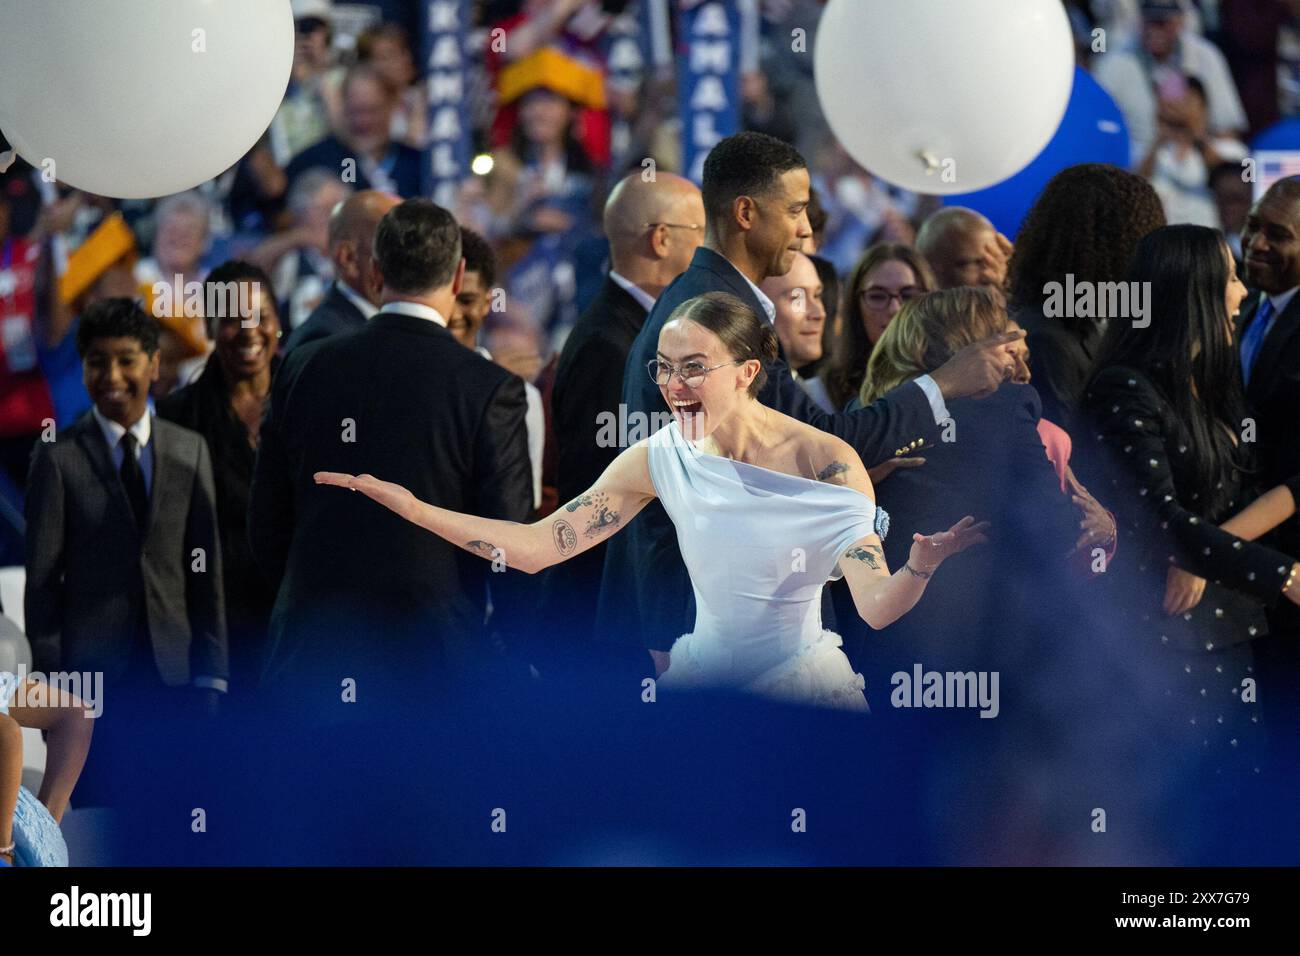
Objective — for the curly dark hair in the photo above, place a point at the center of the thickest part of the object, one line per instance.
(1087, 221)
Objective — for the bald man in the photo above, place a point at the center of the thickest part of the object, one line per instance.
(654, 229)
(354, 297)
(964, 249)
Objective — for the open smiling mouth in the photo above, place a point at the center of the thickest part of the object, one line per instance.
(687, 408)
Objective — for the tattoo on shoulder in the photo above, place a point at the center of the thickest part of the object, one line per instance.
(565, 538)
(484, 549)
(871, 555)
(834, 470)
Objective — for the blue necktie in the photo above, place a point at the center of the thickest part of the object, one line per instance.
(1254, 338)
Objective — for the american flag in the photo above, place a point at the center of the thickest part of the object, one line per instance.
(1271, 166)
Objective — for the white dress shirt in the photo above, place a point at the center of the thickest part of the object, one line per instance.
(415, 310)
(114, 433)
(364, 305)
(643, 298)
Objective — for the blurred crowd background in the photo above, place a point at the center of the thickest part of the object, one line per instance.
(1194, 83)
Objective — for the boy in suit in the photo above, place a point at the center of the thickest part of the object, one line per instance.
(123, 561)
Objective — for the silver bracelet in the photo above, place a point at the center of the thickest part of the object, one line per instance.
(8, 850)
(926, 575)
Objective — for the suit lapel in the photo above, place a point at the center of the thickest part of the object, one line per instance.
(730, 276)
(95, 446)
(163, 470)
(1270, 351)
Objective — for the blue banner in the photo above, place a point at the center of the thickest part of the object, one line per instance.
(708, 78)
(446, 62)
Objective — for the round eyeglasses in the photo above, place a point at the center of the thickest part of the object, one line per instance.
(692, 374)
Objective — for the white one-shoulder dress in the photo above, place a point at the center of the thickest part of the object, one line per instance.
(760, 546)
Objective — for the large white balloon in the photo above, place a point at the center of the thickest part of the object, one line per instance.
(141, 98)
(944, 96)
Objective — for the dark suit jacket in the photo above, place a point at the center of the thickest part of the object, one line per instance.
(646, 593)
(91, 576)
(204, 406)
(335, 314)
(985, 603)
(1273, 396)
(588, 384)
(330, 153)
(1062, 360)
(362, 592)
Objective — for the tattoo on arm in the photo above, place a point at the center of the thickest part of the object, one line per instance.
(565, 538)
(832, 470)
(603, 519)
(871, 555)
(484, 549)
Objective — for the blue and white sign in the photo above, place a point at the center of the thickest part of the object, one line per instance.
(447, 155)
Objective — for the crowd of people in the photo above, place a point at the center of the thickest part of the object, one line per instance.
(1130, 475)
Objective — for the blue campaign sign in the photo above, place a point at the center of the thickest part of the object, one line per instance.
(446, 158)
(1092, 131)
(708, 79)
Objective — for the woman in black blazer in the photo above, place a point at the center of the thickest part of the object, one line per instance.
(1164, 408)
(224, 405)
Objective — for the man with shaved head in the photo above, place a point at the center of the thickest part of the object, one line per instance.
(964, 249)
(653, 229)
(354, 296)
(1268, 331)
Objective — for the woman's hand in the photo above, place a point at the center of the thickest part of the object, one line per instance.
(930, 551)
(1183, 591)
(1098, 524)
(390, 495)
(887, 468)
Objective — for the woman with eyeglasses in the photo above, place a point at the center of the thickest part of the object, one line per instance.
(888, 275)
(767, 509)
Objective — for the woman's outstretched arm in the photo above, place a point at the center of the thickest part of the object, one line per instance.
(880, 597)
(616, 497)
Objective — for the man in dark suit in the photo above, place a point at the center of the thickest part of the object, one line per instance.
(123, 560)
(372, 608)
(1268, 331)
(654, 228)
(354, 296)
(756, 195)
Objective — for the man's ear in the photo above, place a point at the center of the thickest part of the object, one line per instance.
(660, 240)
(458, 279)
(155, 364)
(745, 212)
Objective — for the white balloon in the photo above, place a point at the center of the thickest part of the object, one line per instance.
(944, 96)
(141, 98)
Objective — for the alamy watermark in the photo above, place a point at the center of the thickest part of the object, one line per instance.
(211, 300)
(922, 688)
(86, 686)
(624, 429)
(1098, 300)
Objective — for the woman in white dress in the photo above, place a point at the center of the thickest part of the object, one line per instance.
(767, 509)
